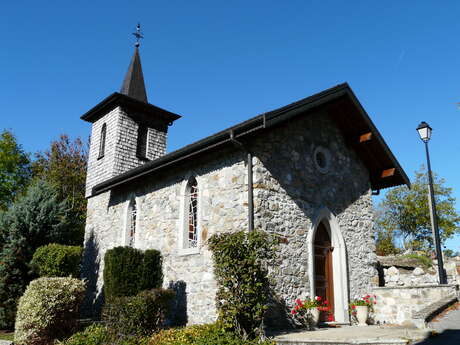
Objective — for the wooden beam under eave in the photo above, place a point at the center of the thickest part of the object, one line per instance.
(388, 172)
(365, 137)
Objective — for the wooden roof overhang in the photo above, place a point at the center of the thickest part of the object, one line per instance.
(362, 135)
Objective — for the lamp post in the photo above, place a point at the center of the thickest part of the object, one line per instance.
(424, 130)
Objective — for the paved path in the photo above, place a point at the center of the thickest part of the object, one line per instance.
(448, 327)
(376, 335)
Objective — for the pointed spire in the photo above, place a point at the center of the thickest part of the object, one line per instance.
(133, 85)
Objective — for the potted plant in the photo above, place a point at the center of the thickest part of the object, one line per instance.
(360, 309)
(307, 311)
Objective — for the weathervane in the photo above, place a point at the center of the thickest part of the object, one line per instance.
(138, 35)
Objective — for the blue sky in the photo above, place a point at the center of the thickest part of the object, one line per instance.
(220, 62)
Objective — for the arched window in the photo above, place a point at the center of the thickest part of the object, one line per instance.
(132, 223)
(192, 219)
(102, 141)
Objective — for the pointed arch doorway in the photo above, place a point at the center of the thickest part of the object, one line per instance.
(323, 275)
(327, 263)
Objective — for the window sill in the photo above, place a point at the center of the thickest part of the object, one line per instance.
(188, 251)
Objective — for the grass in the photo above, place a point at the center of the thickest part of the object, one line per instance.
(423, 260)
(6, 335)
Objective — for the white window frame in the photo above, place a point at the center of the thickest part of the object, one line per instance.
(183, 249)
(125, 238)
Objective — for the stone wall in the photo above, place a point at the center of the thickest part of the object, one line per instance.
(398, 305)
(400, 271)
(289, 192)
(222, 189)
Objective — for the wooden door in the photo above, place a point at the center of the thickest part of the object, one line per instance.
(324, 286)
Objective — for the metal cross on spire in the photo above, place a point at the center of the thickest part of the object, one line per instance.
(138, 35)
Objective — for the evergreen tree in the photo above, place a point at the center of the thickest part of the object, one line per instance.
(35, 219)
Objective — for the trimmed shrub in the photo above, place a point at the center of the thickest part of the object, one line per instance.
(102, 335)
(243, 287)
(212, 334)
(128, 271)
(138, 315)
(48, 310)
(57, 260)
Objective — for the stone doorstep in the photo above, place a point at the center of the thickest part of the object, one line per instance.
(354, 335)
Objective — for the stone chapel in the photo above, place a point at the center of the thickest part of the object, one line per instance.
(306, 171)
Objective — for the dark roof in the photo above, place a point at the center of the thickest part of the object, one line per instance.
(145, 112)
(339, 101)
(133, 85)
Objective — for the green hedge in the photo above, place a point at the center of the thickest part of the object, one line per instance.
(102, 335)
(128, 271)
(240, 261)
(140, 315)
(48, 310)
(212, 334)
(57, 260)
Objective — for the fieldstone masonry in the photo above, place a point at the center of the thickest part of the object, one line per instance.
(288, 193)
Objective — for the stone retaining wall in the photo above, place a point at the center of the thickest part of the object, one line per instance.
(398, 305)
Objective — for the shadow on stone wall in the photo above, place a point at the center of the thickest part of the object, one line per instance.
(277, 316)
(93, 301)
(178, 315)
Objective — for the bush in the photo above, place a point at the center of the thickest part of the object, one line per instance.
(243, 286)
(212, 334)
(35, 219)
(102, 335)
(48, 310)
(138, 315)
(128, 271)
(57, 260)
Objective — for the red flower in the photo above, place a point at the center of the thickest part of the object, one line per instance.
(298, 301)
(297, 307)
(330, 318)
(326, 302)
(318, 298)
(293, 312)
(353, 307)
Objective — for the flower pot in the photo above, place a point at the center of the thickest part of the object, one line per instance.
(362, 312)
(313, 316)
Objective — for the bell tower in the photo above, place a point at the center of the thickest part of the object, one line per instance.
(127, 131)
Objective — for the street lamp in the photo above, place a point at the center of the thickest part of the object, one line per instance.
(424, 130)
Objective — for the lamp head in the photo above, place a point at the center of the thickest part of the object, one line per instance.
(424, 130)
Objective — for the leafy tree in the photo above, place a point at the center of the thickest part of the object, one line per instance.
(405, 212)
(35, 219)
(14, 169)
(64, 166)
